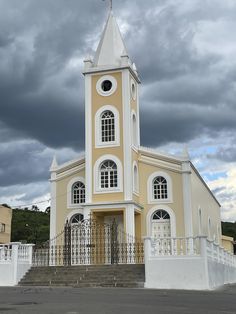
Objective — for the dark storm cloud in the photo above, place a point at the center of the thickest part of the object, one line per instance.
(181, 123)
(185, 92)
(21, 163)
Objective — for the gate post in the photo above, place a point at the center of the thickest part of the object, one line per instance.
(114, 243)
(67, 245)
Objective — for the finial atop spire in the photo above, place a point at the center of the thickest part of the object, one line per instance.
(54, 164)
(185, 153)
(110, 4)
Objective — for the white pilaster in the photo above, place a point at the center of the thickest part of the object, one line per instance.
(86, 213)
(130, 220)
(127, 136)
(88, 138)
(53, 209)
(187, 198)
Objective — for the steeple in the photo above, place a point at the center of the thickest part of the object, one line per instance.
(111, 49)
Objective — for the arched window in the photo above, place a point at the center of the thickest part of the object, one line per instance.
(160, 190)
(200, 221)
(134, 130)
(209, 228)
(108, 175)
(107, 126)
(78, 193)
(135, 179)
(77, 218)
(160, 215)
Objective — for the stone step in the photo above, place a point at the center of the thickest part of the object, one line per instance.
(131, 275)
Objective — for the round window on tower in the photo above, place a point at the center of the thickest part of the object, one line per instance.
(106, 85)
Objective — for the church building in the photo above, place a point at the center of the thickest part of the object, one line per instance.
(146, 192)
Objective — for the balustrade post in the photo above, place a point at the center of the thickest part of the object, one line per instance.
(14, 259)
(147, 248)
(203, 246)
(218, 253)
(30, 252)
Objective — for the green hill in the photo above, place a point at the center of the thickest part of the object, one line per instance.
(30, 226)
(229, 229)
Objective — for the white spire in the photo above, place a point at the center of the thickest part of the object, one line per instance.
(185, 152)
(54, 164)
(111, 46)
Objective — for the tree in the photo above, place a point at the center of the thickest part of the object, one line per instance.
(30, 226)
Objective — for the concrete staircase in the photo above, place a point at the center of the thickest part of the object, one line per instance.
(127, 276)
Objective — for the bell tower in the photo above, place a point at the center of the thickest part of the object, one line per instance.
(111, 121)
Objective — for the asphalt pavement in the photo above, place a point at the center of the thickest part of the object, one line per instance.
(61, 300)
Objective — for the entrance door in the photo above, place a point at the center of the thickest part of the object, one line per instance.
(161, 231)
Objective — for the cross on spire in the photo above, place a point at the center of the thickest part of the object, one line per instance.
(110, 4)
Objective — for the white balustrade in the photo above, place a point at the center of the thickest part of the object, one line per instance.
(190, 246)
(175, 246)
(15, 260)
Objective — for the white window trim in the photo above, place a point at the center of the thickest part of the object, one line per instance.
(97, 188)
(69, 192)
(172, 219)
(135, 191)
(97, 130)
(151, 199)
(74, 212)
(133, 114)
(99, 83)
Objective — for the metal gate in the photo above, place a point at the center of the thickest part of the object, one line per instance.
(89, 242)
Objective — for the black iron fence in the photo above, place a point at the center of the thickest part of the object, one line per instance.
(90, 242)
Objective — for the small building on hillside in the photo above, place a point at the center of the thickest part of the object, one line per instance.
(5, 224)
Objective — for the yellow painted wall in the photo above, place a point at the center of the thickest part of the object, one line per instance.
(62, 210)
(5, 218)
(176, 206)
(202, 198)
(99, 101)
(227, 243)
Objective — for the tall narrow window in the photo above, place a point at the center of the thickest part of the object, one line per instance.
(107, 126)
(134, 130)
(108, 175)
(160, 190)
(78, 193)
(135, 179)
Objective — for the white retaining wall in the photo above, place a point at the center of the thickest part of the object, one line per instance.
(201, 265)
(15, 261)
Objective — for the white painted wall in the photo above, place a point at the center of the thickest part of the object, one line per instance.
(15, 261)
(176, 273)
(208, 268)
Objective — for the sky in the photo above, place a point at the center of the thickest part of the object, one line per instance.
(185, 53)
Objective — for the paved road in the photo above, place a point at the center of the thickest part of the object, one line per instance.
(25, 300)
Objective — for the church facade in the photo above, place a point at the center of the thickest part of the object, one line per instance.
(146, 192)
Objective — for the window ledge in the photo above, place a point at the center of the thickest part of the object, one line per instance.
(107, 144)
(160, 201)
(73, 206)
(105, 191)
